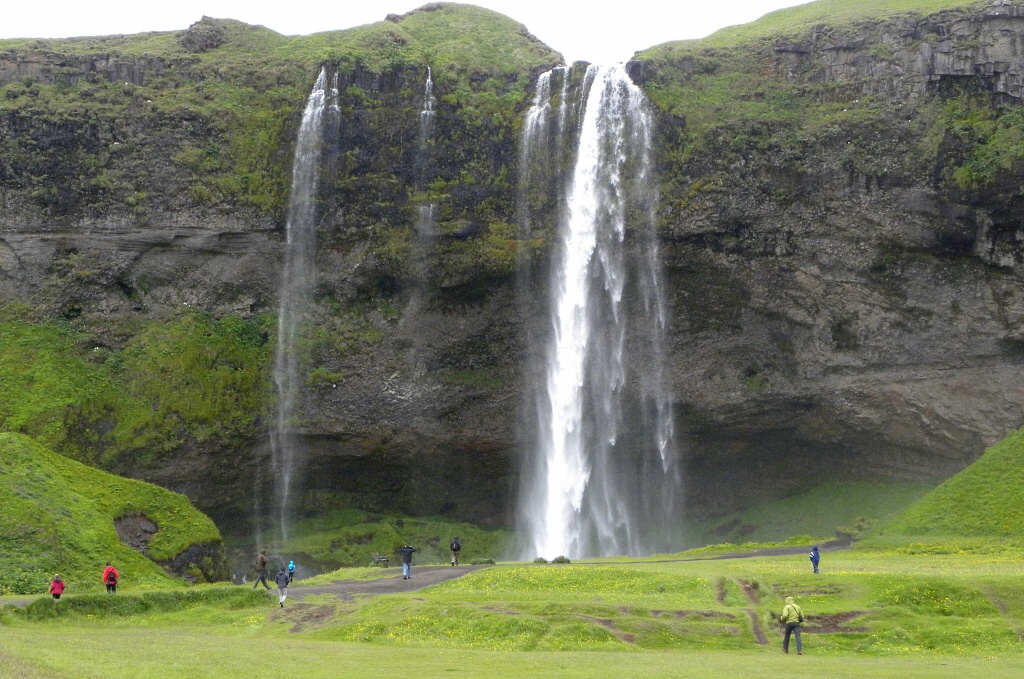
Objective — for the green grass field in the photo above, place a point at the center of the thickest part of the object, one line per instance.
(872, 612)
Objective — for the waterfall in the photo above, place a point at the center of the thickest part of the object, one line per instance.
(602, 473)
(425, 223)
(296, 281)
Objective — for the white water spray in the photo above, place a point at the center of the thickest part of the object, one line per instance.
(296, 281)
(604, 478)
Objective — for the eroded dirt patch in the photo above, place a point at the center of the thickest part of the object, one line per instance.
(136, 531)
(750, 591)
(308, 615)
(755, 625)
(831, 624)
(611, 627)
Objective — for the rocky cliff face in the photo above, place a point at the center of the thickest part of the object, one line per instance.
(839, 226)
(846, 280)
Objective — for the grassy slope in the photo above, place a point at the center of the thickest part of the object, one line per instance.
(818, 513)
(57, 515)
(983, 500)
(911, 615)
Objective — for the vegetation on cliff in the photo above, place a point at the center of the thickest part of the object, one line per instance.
(191, 377)
(60, 516)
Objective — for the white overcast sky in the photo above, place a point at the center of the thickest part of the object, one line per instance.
(595, 31)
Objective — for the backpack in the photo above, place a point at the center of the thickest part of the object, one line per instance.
(456, 545)
(112, 578)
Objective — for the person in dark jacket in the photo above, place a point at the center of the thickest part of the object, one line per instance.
(815, 558)
(456, 546)
(56, 587)
(282, 586)
(406, 553)
(261, 570)
(110, 578)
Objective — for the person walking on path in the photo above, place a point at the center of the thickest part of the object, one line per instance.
(261, 570)
(291, 571)
(110, 578)
(791, 617)
(456, 546)
(406, 553)
(56, 587)
(282, 586)
(815, 557)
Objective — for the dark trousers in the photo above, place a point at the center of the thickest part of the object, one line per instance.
(261, 576)
(790, 628)
(111, 588)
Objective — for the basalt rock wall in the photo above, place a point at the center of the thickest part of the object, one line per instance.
(845, 274)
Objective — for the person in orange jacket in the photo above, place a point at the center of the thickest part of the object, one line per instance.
(110, 578)
(56, 587)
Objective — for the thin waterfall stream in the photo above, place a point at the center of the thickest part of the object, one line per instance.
(602, 473)
(296, 281)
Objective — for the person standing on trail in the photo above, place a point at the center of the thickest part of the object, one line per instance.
(282, 586)
(406, 553)
(261, 570)
(110, 578)
(815, 558)
(791, 617)
(291, 571)
(456, 546)
(56, 587)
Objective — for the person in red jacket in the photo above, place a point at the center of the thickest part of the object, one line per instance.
(56, 587)
(110, 578)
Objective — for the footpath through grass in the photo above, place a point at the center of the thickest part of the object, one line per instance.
(872, 612)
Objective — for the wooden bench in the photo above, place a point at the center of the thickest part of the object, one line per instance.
(379, 559)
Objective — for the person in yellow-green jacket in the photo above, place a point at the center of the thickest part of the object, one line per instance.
(791, 617)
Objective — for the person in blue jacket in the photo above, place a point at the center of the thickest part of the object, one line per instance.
(291, 571)
(815, 557)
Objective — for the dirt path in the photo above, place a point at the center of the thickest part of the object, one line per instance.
(422, 576)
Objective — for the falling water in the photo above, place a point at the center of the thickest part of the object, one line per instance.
(425, 224)
(295, 285)
(603, 474)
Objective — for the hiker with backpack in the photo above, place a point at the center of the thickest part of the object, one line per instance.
(792, 616)
(110, 578)
(456, 546)
(815, 557)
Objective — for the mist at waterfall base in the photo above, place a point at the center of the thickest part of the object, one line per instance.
(601, 466)
(296, 283)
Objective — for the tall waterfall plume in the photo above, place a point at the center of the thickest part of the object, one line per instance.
(296, 281)
(602, 474)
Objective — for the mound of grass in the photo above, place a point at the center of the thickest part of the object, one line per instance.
(820, 512)
(57, 515)
(345, 538)
(981, 501)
